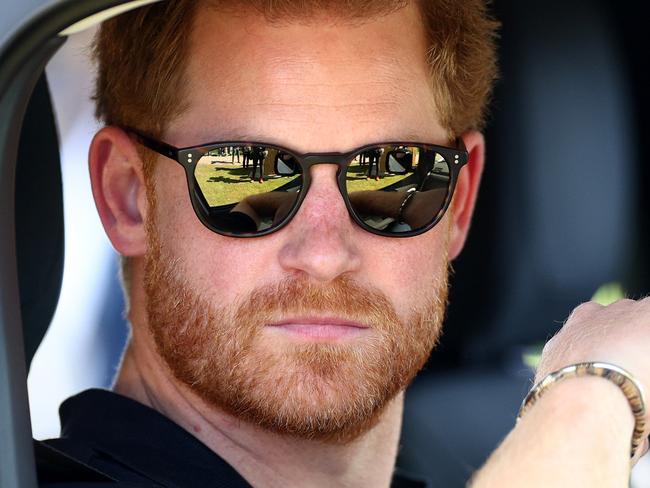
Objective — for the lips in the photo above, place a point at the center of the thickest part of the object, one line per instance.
(319, 328)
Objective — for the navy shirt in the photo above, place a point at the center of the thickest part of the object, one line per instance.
(110, 440)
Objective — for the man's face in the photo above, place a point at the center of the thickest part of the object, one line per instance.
(312, 330)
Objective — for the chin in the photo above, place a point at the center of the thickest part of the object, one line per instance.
(326, 392)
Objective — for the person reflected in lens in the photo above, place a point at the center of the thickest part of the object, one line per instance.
(373, 157)
(257, 155)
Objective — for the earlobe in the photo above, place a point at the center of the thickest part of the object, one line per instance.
(119, 190)
(466, 192)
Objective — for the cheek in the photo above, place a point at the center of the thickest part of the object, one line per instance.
(183, 237)
(410, 270)
(176, 222)
(222, 267)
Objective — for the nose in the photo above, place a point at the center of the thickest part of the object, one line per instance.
(321, 240)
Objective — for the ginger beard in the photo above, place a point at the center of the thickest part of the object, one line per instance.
(332, 392)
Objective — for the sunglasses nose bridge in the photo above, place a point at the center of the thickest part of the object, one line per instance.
(340, 160)
(311, 160)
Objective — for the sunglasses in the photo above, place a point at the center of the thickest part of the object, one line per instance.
(250, 189)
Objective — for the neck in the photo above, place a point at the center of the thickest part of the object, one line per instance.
(264, 459)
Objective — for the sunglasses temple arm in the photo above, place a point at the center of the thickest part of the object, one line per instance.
(156, 146)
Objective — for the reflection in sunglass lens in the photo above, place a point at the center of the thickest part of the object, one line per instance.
(398, 189)
(246, 189)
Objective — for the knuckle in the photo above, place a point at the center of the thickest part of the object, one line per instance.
(624, 310)
(551, 345)
(622, 303)
(583, 310)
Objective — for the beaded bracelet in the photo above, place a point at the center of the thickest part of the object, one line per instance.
(630, 387)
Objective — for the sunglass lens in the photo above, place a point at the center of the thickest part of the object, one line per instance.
(398, 189)
(246, 190)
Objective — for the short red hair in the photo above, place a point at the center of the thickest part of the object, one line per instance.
(141, 56)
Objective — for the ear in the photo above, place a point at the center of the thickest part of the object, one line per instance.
(466, 191)
(119, 190)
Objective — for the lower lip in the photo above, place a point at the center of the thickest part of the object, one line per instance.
(322, 332)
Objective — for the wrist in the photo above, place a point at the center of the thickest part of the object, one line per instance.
(615, 375)
(591, 397)
(579, 430)
(594, 415)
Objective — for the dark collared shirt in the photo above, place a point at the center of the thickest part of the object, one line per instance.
(107, 438)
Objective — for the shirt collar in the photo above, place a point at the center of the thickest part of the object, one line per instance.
(150, 444)
(144, 440)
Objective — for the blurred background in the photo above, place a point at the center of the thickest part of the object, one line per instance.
(84, 341)
(561, 215)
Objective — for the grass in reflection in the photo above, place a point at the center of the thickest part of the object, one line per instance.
(225, 183)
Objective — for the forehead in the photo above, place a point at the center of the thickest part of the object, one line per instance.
(321, 84)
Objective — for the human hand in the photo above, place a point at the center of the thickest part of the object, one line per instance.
(618, 334)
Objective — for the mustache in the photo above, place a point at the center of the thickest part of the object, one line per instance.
(342, 298)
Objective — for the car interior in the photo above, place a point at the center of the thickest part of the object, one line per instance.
(561, 212)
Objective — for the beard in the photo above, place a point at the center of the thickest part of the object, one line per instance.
(327, 391)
